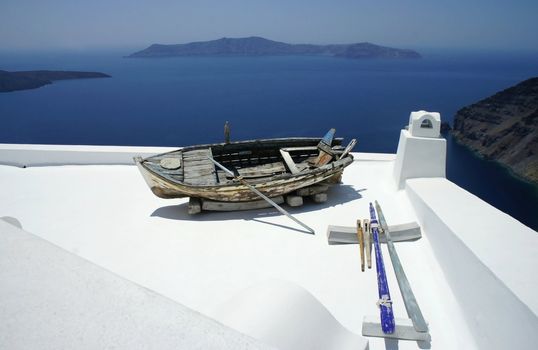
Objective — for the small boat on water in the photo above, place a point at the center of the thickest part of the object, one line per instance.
(275, 167)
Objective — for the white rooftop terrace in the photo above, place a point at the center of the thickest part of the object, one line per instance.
(473, 270)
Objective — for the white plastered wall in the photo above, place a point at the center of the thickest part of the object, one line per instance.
(421, 152)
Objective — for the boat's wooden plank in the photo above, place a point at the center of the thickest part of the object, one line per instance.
(255, 172)
(204, 177)
(233, 206)
(194, 175)
(302, 166)
(294, 149)
(197, 152)
(268, 143)
(257, 176)
(208, 175)
(199, 171)
(158, 157)
(187, 164)
(200, 182)
(348, 148)
(195, 156)
(198, 167)
(177, 177)
(289, 162)
(326, 155)
(195, 160)
(221, 175)
(160, 170)
(262, 170)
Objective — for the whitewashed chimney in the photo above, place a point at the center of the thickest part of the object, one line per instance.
(421, 149)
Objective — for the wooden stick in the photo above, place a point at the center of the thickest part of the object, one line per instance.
(360, 236)
(267, 199)
(348, 149)
(368, 242)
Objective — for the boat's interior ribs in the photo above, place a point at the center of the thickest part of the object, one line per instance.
(264, 159)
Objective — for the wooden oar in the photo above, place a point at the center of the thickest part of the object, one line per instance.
(367, 242)
(253, 189)
(348, 148)
(360, 236)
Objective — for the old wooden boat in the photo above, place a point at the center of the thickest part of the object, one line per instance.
(275, 167)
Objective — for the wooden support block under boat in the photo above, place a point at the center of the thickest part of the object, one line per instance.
(294, 201)
(319, 197)
(195, 206)
(233, 206)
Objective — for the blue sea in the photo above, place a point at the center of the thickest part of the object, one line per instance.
(184, 101)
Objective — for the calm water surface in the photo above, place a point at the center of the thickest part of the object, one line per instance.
(183, 101)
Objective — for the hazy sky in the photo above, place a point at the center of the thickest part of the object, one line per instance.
(78, 24)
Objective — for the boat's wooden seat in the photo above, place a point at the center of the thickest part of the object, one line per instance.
(198, 169)
(296, 168)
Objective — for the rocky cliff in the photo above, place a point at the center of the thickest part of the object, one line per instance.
(256, 46)
(24, 80)
(504, 127)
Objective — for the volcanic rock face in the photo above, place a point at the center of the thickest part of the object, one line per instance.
(504, 127)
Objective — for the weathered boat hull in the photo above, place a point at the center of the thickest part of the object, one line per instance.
(259, 162)
(164, 188)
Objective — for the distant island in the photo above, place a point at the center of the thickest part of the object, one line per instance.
(24, 80)
(256, 46)
(504, 127)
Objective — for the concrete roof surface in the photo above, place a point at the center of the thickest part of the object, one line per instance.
(107, 215)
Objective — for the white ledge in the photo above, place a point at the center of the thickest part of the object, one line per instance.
(360, 156)
(25, 155)
(489, 259)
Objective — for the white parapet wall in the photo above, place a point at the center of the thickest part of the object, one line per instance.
(26, 155)
(492, 275)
